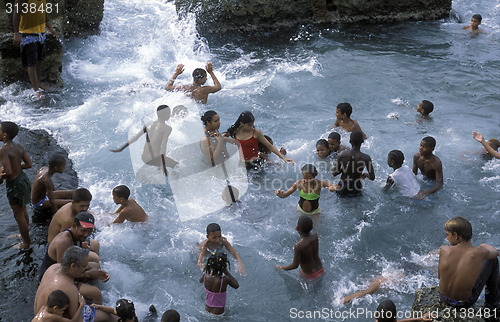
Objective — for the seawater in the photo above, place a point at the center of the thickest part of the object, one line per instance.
(292, 83)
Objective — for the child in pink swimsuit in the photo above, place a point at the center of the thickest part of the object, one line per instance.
(216, 278)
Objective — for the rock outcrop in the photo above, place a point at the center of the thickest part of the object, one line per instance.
(71, 18)
(268, 15)
(427, 300)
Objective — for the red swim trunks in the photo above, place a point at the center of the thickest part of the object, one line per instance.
(313, 276)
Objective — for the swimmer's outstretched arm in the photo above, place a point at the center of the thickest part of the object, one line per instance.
(217, 86)
(132, 140)
(330, 186)
(283, 194)
(170, 85)
(480, 138)
(262, 139)
(294, 264)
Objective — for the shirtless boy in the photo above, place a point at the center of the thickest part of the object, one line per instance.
(214, 243)
(196, 90)
(351, 164)
(464, 269)
(129, 209)
(343, 114)
(13, 159)
(62, 277)
(157, 133)
(429, 164)
(43, 195)
(475, 21)
(490, 147)
(334, 144)
(57, 305)
(305, 251)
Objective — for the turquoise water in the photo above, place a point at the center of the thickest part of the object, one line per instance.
(292, 83)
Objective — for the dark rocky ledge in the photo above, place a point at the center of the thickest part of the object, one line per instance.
(221, 16)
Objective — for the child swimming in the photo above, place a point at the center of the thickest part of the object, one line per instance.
(322, 149)
(310, 189)
(216, 278)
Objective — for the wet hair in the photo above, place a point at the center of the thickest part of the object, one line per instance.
(73, 255)
(57, 298)
(494, 143)
(81, 194)
(459, 226)
(121, 191)
(305, 224)
(427, 106)
(322, 142)
(386, 311)
(171, 316)
(397, 156)
(357, 138)
(309, 168)
(345, 108)
(208, 116)
(166, 111)
(10, 128)
(213, 227)
(334, 136)
(478, 17)
(179, 110)
(56, 160)
(263, 148)
(216, 264)
(245, 118)
(429, 140)
(125, 309)
(199, 73)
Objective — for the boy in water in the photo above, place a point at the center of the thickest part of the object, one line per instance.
(305, 251)
(425, 108)
(196, 90)
(214, 243)
(343, 114)
(402, 177)
(129, 209)
(429, 164)
(43, 195)
(157, 133)
(464, 269)
(475, 21)
(490, 147)
(350, 164)
(57, 305)
(13, 159)
(334, 144)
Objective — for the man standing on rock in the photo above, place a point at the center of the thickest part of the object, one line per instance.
(29, 21)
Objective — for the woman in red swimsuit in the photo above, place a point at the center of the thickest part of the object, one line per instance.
(249, 138)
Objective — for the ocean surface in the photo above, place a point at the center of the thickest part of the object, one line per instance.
(291, 82)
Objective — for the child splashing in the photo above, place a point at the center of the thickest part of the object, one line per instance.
(216, 278)
(310, 189)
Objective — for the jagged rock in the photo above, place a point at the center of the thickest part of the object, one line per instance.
(267, 15)
(427, 300)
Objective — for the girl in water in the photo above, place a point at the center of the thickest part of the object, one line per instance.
(322, 149)
(249, 139)
(216, 278)
(213, 144)
(310, 189)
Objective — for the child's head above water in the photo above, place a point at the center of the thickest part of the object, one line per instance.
(395, 159)
(163, 112)
(125, 309)
(305, 224)
(333, 141)
(216, 264)
(9, 128)
(425, 107)
(309, 169)
(386, 311)
(345, 108)
(322, 148)
(121, 191)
